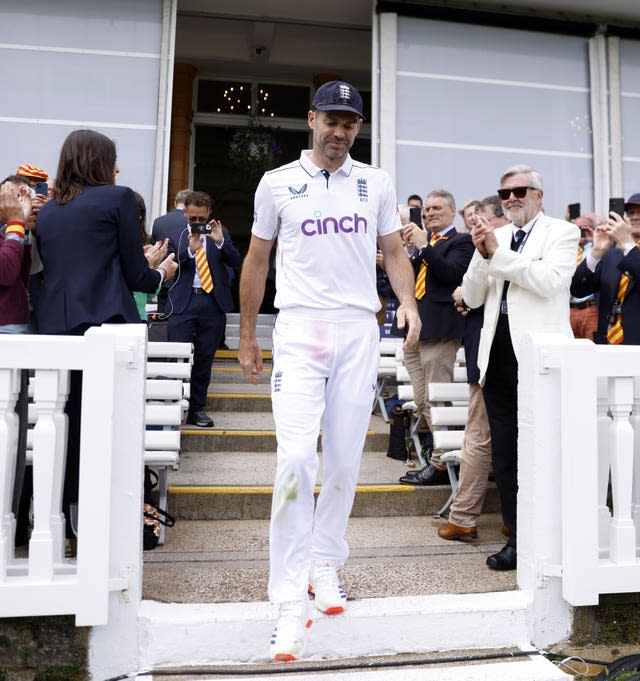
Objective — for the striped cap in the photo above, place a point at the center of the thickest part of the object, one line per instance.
(29, 170)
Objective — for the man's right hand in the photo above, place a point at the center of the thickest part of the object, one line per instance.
(15, 205)
(250, 358)
(602, 241)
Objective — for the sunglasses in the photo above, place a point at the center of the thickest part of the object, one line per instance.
(518, 192)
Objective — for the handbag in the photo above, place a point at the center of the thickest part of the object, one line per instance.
(152, 516)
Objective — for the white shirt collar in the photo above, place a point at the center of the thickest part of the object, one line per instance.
(313, 169)
(527, 227)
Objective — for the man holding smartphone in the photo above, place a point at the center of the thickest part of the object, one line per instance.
(612, 269)
(200, 294)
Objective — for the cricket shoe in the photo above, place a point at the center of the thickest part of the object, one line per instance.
(330, 597)
(287, 639)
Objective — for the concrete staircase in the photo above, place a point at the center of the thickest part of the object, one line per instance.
(410, 591)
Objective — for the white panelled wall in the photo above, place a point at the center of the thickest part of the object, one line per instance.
(469, 101)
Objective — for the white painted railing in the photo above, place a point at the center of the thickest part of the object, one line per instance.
(579, 423)
(112, 359)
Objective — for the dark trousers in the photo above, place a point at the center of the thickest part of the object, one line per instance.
(202, 323)
(501, 399)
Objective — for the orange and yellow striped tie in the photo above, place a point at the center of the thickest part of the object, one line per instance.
(580, 254)
(206, 281)
(421, 277)
(615, 334)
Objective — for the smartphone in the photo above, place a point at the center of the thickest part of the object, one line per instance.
(42, 188)
(617, 206)
(574, 211)
(415, 215)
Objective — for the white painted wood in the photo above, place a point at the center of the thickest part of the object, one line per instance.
(161, 389)
(163, 414)
(449, 392)
(448, 439)
(46, 546)
(604, 464)
(169, 370)
(635, 424)
(449, 416)
(163, 350)
(162, 439)
(9, 387)
(623, 535)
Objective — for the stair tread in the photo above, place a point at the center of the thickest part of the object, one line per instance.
(259, 421)
(227, 561)
(258, 468)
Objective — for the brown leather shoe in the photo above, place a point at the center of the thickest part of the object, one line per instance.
(450, 531)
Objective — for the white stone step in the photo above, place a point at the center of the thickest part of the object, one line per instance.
(536, 668)
(177, 635)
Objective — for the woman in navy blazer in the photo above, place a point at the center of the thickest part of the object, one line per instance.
(89, 241)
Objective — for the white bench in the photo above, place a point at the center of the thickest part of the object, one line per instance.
(450, 433)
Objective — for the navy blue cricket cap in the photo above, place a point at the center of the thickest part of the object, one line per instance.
(634, 200)
(336, 95)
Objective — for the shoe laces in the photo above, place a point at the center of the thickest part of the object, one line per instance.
(325, 577)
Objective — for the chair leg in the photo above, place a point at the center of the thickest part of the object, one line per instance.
(453, 480)
(163, 488)
(378, 400)
(415, 438)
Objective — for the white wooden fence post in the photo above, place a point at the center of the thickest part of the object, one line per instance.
(635, 423)
(623, 535)
(8, 447)
(114, 647)
(604, 464)
(540, 488)
(46, 547)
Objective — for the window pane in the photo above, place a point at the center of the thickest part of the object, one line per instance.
(282, 100)
(218, 96)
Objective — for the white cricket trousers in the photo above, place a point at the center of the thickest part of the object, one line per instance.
(325, 366)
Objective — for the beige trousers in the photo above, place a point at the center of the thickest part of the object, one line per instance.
(475, 465)
(430, 361)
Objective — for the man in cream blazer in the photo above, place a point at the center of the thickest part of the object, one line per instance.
(521, 273)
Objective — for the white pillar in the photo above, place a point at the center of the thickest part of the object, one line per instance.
(113, 648)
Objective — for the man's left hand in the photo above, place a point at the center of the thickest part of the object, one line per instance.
(620, 230)
(216, 232)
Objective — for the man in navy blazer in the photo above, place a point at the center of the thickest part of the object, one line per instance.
(163, 227)
(615, 252)
(440, 258)
(197, 301)
(175, 219)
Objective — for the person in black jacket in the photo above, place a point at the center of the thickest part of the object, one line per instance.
(88, 236)
(612, 269)
(440, 257)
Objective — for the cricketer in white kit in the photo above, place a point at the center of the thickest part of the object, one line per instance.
(328, 214)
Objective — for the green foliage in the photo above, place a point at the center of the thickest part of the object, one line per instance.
(72, 672)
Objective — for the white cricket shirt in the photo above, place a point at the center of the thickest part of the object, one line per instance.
(326, 228)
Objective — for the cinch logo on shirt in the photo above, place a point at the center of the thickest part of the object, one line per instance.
(330, 225)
